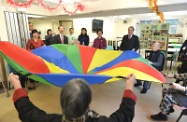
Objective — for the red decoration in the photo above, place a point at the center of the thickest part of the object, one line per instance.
(78, 7)
(48, 7)
(18, 4)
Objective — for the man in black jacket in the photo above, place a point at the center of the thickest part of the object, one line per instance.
(182, 58)
(48, 37)
(130, 41)
(60, 38)
(75, 100)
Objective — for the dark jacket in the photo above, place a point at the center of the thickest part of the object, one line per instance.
(47, 39)
(57, 40)
(30, 113)
(100, 43)
(84, 39)
(154, 57)
(130, 44)
(183, 56)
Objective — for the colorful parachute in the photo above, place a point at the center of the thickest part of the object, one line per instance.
(57, 64)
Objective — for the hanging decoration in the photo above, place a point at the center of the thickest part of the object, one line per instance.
(72, 9)
(18, 4)
(48, 7)
(154, 7)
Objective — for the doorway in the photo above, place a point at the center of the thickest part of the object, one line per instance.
(67, 24)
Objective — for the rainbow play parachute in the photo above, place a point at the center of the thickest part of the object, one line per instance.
(57, 64)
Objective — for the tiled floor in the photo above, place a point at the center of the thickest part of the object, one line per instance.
(106, 99)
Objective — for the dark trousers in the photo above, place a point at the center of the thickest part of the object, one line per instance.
(32, 81)
(181, 70)
(146, 84)
(22, 78)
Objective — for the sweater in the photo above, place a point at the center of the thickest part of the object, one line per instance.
(28, 112)
(31, 44)
(100, 43)
(84, 39)
(157, 59)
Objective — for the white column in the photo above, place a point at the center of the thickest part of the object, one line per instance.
(3, 34)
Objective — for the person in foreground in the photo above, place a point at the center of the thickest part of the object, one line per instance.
(177, 95)
(75, 100)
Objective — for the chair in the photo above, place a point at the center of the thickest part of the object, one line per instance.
(109, 48)
(165, 59)
(184, 112)
(1, 81)
(172, 58)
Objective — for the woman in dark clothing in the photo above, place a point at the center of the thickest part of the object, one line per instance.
(177, 95)
(48, 37)
(182, 60)
(75, 100)
(83, 37)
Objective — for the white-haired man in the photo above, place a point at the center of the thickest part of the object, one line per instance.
(156, 59)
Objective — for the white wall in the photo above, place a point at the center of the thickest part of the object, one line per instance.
(179, 29)
(108, 27)
(122, 28)
(42, 25)
(185, 32)
(3, 34)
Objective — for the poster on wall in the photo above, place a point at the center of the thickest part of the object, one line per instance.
(151, 33)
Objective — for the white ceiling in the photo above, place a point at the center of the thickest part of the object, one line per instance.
(137, 9)
(100, 5)
(167, 15)
(121, 4)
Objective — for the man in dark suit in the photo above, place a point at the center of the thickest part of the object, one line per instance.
(60, 38)
(130, 41)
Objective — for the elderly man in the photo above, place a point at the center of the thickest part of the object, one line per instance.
(130, 41)
(156, 59)
(75, 100)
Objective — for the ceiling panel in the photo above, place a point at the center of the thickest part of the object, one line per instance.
(125, 11)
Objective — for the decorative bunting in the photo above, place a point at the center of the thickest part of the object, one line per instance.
(154, 7)
(18, 4)
(74, 10)
(76, 7)
(48, 7)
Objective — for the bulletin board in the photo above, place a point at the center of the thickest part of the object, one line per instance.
(151, 33)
